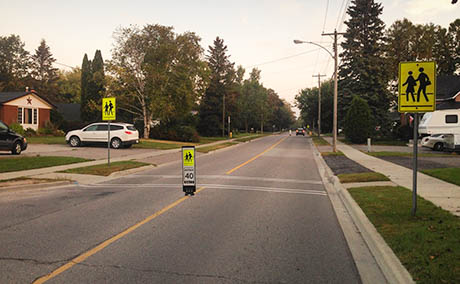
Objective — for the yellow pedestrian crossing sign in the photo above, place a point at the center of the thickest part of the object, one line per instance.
(417, 86)
(109, 109)
(188, 157)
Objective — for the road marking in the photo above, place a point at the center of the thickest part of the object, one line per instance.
(201, 177)
(255, 157)
(266, 189)
(84, 256)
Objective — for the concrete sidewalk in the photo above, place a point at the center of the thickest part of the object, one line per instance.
(440, 193)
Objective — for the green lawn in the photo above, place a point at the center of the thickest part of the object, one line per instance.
(404, 154)
(362, 177)
(338, 153)
(427, 245)
(46, 140)
(29, 163)
(160, 144)
(106, 170)
(451, 175)
(215, 147)
(319, 141)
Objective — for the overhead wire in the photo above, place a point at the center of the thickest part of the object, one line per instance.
(281, 59)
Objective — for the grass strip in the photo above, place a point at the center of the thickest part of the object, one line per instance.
(362, 177)
(451, 175)
(404, 154)
(160, 144)
(208, 149)
(46, 140)
(427, 245)
(30, 163)
(338, 153)
(249, 138)
(319, 141)
(104, 169)
(376, 142)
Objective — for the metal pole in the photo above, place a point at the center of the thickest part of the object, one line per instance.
(414, 166)
(108, 144)
(319, 102)
(223, 115)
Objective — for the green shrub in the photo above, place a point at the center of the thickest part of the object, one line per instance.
(30, 132)
(48, 129)
(16, 127)
(358, 121)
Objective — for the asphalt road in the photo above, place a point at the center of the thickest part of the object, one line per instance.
(268, 221)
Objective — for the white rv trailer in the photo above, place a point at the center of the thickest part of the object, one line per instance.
(440, 122)
(452, 142)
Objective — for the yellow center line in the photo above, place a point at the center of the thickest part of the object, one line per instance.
(106, 243)
(255, 157)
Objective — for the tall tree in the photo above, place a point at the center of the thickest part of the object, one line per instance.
(69, 85)
(363, 71)
(86, 76)
(454, 35)
(14, 63)
(212, 106)
(157, 74)
(43, 72)
(96, 87)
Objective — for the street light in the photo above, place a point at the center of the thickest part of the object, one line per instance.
(334, 56)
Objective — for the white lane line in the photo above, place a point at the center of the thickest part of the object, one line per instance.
(216, 186)
(235, 178)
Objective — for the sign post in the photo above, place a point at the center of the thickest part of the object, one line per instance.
(417, 94)
(108, 114)
(188, 170)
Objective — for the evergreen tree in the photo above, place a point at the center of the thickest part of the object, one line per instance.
(212, 106)
(86, 75)
(358, 121)
(96, 87)
(364, 71)
(43, 72)
(14, 63)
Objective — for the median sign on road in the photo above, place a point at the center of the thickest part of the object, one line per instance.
(109, 109)
(188, 170)
(417, 86)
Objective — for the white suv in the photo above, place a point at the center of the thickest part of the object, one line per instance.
(121, 134)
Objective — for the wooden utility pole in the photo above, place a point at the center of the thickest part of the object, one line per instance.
(334, 124)
(319, 102)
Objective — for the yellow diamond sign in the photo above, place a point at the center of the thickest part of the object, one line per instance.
(417, 86)
(109, 109)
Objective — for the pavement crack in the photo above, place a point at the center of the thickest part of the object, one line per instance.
(175, 273)
(31, 260)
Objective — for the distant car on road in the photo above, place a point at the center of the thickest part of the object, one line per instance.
(11, 141)
(435, 142)
(121, 135)
(300, 131)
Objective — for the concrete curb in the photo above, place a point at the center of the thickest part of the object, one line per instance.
(35, 186)
(388, 262)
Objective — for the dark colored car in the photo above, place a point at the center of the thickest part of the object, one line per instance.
(11, 141)
(300, 131)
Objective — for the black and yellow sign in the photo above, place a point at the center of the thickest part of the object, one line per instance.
(109, 109)
(188, 170)
(417, 86)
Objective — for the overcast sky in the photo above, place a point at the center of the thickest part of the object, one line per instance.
(258, 33)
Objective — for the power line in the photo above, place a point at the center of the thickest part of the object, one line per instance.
(65, 65)
(325, 15)
(281, 59)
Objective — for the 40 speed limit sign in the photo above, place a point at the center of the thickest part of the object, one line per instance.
(188, 170)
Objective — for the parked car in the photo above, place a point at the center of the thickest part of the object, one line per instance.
(441, 121)
(300, 131)
(11, 141)
(121, 135)
(435, 142)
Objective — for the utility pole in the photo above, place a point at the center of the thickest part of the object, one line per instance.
(334, 124)
(319, 102)
(223, 115)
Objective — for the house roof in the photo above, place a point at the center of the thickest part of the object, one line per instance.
(447, 87)
(450, 104)
(70, 112)
(10, 96)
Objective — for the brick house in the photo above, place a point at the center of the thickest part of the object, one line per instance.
(26, 108)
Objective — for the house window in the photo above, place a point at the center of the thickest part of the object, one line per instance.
(27, 115)
(451, 118)
(20, 115)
